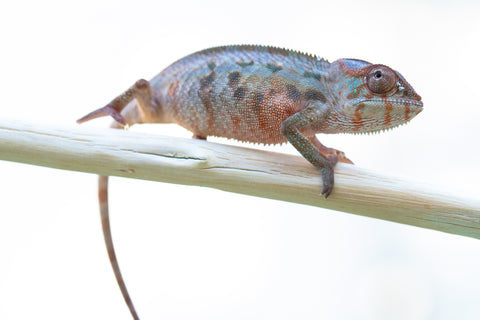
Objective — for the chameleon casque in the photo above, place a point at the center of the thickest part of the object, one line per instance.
(264, 95)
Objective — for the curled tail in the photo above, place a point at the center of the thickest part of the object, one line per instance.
(107, 234)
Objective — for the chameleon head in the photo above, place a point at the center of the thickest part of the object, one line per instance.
(373, 97)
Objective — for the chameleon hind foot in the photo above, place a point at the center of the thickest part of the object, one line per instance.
(141, 91)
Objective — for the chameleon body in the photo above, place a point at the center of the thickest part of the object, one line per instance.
(264, 95)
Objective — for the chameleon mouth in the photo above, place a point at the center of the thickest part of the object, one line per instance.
(412, 103)
(379, 115)
(414, 106)
(408, 107)
(399, 102)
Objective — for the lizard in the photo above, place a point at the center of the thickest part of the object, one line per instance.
(263, 94)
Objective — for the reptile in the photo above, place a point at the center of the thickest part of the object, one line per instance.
(263, 94)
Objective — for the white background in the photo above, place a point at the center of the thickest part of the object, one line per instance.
(196, 253)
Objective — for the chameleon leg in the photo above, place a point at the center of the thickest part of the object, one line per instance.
(146, 111)
(292, 129)
(326, 151)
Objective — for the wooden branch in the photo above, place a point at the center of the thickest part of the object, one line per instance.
(235, 169)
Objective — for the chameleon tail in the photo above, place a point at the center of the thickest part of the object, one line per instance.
(107, 234)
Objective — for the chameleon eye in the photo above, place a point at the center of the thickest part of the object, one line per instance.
(381, 80)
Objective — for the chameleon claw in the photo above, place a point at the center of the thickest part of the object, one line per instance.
(326, 190)
(327, 177)
(342, 158)
(111, 111)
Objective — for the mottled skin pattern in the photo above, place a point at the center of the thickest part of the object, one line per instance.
(265, 95)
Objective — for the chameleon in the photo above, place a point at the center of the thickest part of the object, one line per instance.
(263, 94)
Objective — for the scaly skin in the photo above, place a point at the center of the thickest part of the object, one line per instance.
(265, 95)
